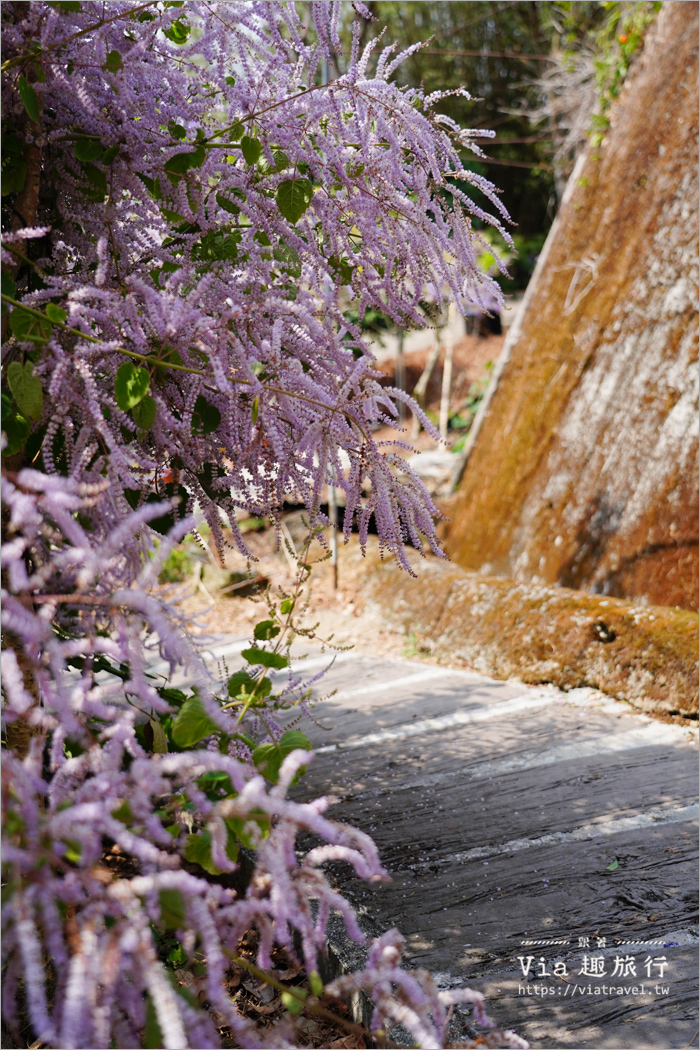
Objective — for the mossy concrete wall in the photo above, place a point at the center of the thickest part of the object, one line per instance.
(585, 470)
(647, 656)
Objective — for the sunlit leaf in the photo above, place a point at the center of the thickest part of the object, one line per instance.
(131, 385)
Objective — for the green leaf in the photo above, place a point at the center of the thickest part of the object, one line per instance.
(14, 176)
(123, 813)
(198, 851)
(176, 130)
(265, 630)
(247, 831)
(218, 245)
(286, 606)
(280, 161)
(230, 206)
(88, 149)
(15, 427)
(241, 685)
(205, 418)
(342, 267)
(614, 866)
(55, 314)
(28, 327)
(316, 983)
(251, 149)
(173, 911)
(160, 741)
(262, 657)
(66, 6)
(231, 81)
(215, 785)
(192, 723)
(109, 155)
(144, 414)
(29, 99)
(294, 1000)
(239, 682)
(268, 758)
(176, 956)
(152, 1036)
(152, 185)
(293, 198)
(255, 410)
(98, 182)
(131, 385)
(8, 288)
(113, 62)
(176, 166)
(288, 258)
(178, 32)
(26, 389)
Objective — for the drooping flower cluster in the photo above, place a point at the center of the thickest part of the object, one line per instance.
(78, 929)
(189, 216)
(413, 1000)
(215, 209)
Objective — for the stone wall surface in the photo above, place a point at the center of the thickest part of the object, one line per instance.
(584, 473)
(647, 656)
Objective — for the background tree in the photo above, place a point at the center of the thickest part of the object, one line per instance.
(541, 75)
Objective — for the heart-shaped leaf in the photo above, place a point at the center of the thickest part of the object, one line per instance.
(113, 62)
(88, 149)
(251, 148)
(131, 385)
(109, 155)
(192, 723)
(265, 630)
(293, 197)
(26, 389)
(268, 758)
(144, 414)
(28, 327)
(55, 314)
(261, 656)
(173, 910)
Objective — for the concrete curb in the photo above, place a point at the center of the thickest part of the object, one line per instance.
(646, 655)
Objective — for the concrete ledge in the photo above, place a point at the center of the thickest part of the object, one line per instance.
(646, 655)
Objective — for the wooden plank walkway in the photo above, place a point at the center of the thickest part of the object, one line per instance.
(514, 817)
(542, 845)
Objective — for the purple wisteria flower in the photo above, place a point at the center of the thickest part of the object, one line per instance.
(192, 218)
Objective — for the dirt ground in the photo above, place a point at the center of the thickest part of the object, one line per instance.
(336, 612)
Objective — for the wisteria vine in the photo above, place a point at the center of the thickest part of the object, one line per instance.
(189, 214)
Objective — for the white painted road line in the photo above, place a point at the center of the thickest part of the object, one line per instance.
(528, 702)
(656, 735)
(302, 665)
(616, 826)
